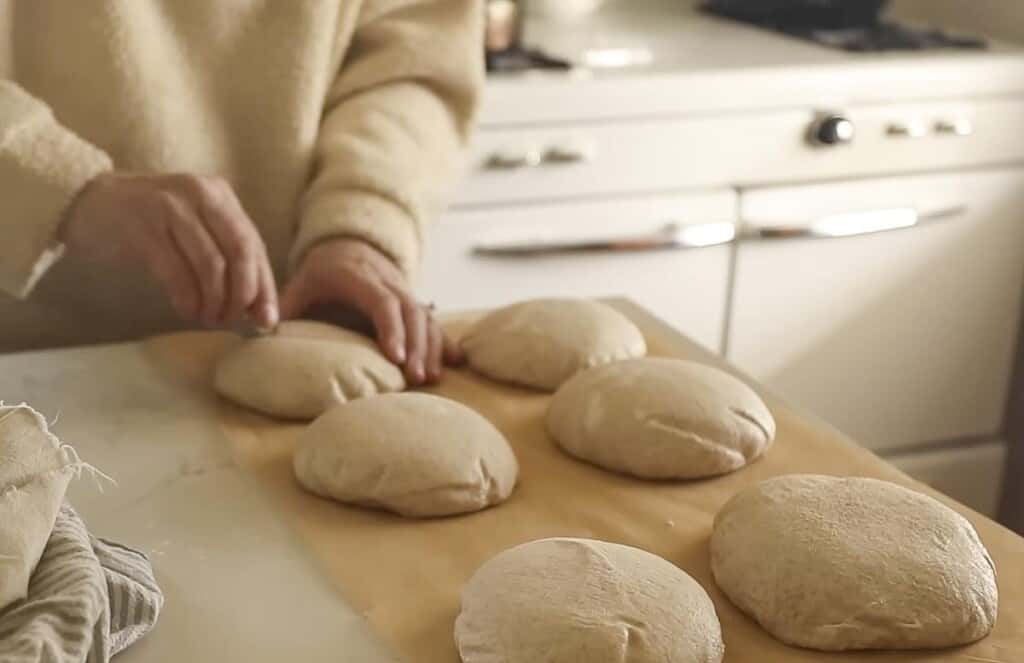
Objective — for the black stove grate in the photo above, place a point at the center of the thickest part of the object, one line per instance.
(851, 25)
(884, 37)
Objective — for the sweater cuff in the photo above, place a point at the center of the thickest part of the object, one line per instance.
(43, 166)
(359, 215)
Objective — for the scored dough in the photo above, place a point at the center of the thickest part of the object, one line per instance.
(415, 454)
(304, 369)
(853, 563)
(574, 600)
(658, 418)
(543, 342)
(323, 331)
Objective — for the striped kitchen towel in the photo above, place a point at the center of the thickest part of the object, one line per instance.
(87, 600)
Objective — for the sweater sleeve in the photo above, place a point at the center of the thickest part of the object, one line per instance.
(395, 121)
(42, 167)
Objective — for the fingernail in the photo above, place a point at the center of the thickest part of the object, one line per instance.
(400, 354)
(269, 315)
(417, 372)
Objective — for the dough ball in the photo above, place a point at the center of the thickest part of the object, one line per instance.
(851, 563)
(303, 369)
(660, 419)
(415, 454)
(319, 330)
(544, 342)
(575, 600)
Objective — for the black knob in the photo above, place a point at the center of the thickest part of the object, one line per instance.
(832, 130)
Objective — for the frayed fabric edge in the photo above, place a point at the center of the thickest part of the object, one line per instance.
(71, 456)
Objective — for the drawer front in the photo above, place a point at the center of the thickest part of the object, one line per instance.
(687, 288)
(566, 161)
(972, 475)
(896, 338)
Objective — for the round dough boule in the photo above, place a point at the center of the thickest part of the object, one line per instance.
(415, 454)
(304, 369)
(658, 418)
(573, 600)
(543, 342)
(852, 563)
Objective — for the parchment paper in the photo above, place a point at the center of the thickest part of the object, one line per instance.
(405, 576)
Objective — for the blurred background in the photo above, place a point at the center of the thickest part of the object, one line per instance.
(828, 193)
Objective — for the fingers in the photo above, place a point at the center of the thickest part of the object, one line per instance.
(385, 312)
(453, 353)
(353, 274)
(202, 255)
(181, 222)
(174, 274)
(327, 277)
(372, 298)
(435, 350)
(416, 338)
(424, 340)
(247, 287)
(295, 298)
(265, 310)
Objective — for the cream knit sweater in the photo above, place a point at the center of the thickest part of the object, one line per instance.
(329, 117)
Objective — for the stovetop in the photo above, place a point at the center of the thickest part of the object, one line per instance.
(655, 37)
(835, 26)
(883, 37)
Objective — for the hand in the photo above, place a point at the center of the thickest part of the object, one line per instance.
(189, 232)
(352, 273)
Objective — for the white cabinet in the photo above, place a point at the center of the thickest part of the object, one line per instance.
(687, 288)
(900, 339)
(896, 337)
(970, 474)
(555, 161)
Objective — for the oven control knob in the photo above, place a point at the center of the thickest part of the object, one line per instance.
(832, 130)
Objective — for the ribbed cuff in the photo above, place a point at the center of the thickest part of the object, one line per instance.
(43, 166)
(359, 215)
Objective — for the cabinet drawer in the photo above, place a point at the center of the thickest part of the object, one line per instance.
(687, 288)
(972, 475)
(553, 162)
(898, 337)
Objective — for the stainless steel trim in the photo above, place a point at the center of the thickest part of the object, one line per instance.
(671, 236)
(853, 224)
(676, 236)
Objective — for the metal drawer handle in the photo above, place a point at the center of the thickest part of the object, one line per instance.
(569, 154)
(853, 224)
(562, 154)
(671, 236)
(679, 236)
(514, 160)
(958, 127)
(913, 129)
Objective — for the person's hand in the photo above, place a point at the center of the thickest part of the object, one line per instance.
(189, 232)
(354, 274)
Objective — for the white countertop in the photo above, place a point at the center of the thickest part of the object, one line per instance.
(679, 38)
(701, 63)
(240, 586)
(237, 585)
